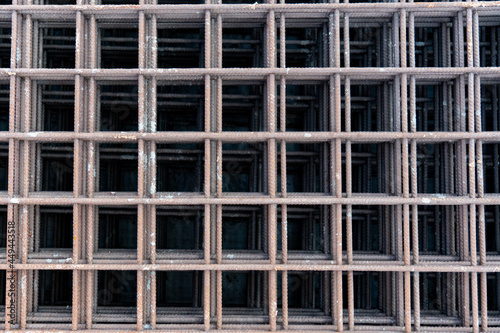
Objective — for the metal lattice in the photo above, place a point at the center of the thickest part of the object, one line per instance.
(180, 165)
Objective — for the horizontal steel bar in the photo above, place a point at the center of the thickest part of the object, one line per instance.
(302, 137)
(242, 266)
(317, 73)
(115, 10)
(126, 199)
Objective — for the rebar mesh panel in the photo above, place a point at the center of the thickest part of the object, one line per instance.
(261, 166)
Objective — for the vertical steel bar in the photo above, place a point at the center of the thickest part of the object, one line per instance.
(283, 176)
(271, 118)
(413, 175)
(472, 172)
(462, 172)
(207, 296)
(479, 169)
(152, 40)
(27, 163)
(78, 169)
(405, 173)
(481, 213)
(348, 173)
(13, 165)
(91, 176)
(142, 168)
(219, 157)
(336, 162)
(398, 303)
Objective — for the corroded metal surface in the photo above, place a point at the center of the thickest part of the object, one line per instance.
(359, 142)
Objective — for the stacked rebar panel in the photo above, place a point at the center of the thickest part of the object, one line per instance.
(180, 165)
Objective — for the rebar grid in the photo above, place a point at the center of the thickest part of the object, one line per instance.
(180, 165)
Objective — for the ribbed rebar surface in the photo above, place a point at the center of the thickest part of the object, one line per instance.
(280, 166)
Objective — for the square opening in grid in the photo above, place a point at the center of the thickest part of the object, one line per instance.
(242, 228)
(181, 290)
(55, 288)
(55, 228)
(308, 297)
(305, 46)
(435, 106)
(305, 227)
(51, 300)
(489, 39)
(373, 296)
(438, 231)
(242, 169)
(56, 171)
(3, 288)
(432, 48)
(4, 126)
(180, 107)
(117, 228)
(371, 235)
(57, 45)
(492, 225)
(3, 228)
(179, 297)
(118, 167)
(439, 294)
(370, 43)
(490, 106)
(180, 167)
(5, 36)
(371, 108)
(242, 46)
(4, 165)
(493, 299)
(306, 107)
(120, 47)
(370, 171)
(4, 106)
(242, 297)
(58, 107)
(432, 176)
(119, 107)
(305, 167)
(181, 47)
(491, 167)
(117, 290)
(242, 107)
(179, 227)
